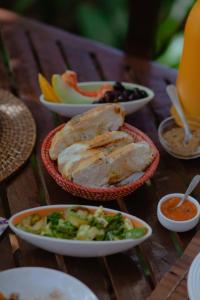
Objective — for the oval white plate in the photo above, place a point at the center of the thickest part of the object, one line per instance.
(75, 247)
(70, 110)
(41, 283)
(193, 282)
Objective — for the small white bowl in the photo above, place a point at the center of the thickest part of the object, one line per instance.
(75, 247)
(177, 226)
(166, 125)
(71, 110)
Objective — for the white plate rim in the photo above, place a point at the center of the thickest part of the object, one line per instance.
(195, 267)
(53, 271)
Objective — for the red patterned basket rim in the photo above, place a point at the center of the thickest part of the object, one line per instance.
(53, 170)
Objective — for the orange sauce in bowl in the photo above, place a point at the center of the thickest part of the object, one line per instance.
(186, 211)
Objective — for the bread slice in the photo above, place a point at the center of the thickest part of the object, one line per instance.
(105, 142)
(131, 158)
(73, 161)
(91, 172)
(94, 122)
(102, 170)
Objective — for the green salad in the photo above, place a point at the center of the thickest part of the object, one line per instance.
(80, 223)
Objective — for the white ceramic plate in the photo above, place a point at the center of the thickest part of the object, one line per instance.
(43, 284)
(193, 282)
(70, 110)
(75, 247)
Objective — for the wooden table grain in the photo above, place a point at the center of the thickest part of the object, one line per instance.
(29, 47)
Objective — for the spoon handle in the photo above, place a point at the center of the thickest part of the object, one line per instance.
(172, 92)
(195, 181)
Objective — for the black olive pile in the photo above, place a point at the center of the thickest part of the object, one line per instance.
(121, 94)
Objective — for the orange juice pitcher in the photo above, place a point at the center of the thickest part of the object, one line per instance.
(188, 81)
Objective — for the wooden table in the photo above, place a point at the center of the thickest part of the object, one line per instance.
(28, 48)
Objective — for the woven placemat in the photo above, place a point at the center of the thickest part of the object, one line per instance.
(17, 134)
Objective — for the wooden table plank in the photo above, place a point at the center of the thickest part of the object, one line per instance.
(22, 191)
(89, 271)
(126, 279)
(4, 84)
(24, 71)
(48, 54)
(80, 62)
(6, 257)
(174, 284)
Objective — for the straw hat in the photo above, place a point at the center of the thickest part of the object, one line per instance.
(17, 134)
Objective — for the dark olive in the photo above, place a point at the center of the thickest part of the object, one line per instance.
(121, 94)
(118, 86)
(126, 94)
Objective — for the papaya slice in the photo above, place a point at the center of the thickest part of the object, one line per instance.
(70, 78)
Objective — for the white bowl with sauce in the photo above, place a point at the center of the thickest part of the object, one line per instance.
(168, 124)
(178, 226)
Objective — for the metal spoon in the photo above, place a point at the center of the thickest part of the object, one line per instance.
(195, 181)
(173, 95)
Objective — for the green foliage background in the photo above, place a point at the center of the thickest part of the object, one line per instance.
(107, 20)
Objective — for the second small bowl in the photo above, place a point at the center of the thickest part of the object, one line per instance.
(166, 125)
(178, 226)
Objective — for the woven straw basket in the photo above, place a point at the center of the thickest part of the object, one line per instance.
(99, 194)
(17, 134)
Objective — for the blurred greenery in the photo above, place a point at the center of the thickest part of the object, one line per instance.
(107, 20)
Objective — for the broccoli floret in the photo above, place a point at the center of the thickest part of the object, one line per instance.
(67, 228)
(114, 222)
(54, 218)
(98, 222)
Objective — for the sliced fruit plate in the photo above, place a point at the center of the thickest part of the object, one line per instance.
(67, 97)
